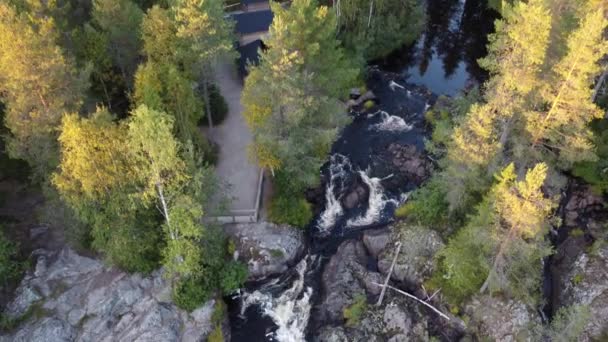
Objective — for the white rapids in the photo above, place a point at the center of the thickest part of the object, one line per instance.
(377, 202)
(339, 165)
(290, 311)
(389, 122)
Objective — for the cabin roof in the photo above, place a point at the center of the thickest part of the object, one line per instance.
(250, 2)
(249, 54)
(251, 22)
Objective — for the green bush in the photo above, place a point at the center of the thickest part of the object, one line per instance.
(233, 276)
(354, 312)
(292, 210)
(219, 107)
(219, 312)
(427, 205)
(191, 293)
(596, 173)
(216, 335)
(10, 266)
(369, 104)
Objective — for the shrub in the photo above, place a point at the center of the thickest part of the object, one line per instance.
(369, 104)
(219, 311)
(596, 172)
(233, 276)
(427, 205)
(190, 293)
(354, 312)
(292, 210)
(10, 266)
(219, 107)
(216, 335)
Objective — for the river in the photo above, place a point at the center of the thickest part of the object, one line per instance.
(441, 62)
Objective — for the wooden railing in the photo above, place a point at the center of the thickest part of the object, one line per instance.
(245, 215)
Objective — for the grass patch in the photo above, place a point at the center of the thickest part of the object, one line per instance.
(354, 312)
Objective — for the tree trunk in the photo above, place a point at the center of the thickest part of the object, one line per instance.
(163, 202)
(497, 260)
(206, 99)
(371, 10)
(388, 276)
(598, 85)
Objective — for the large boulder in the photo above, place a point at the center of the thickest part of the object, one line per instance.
(415, 260)
(356, 196)
(78, 298)
(409, 162)
(376, 241)
(583, 205)
(396, 321)
(585, 282)
(344, 277)
(501, 319)
(266, 248)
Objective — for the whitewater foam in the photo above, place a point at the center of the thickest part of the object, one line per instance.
(390, 122)
(377, 202)
(339, 165)
(290, 311)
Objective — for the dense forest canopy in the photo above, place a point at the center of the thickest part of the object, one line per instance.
(102, 101)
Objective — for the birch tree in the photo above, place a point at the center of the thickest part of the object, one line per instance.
(38, 84)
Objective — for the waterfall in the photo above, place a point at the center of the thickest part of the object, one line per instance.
(390, 122)
(377, 202)
(290, 311)
(339, 166)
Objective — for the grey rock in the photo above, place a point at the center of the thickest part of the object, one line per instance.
(397, 320)
(26, 296)
(266, 248)
(501, 319)
(48, 330)
(376, 241)
(331, 334)
(415, 260)
(87, 301)
(409, 162)
(585, 282)
(75, 316)
(358, 195)
(343, 278)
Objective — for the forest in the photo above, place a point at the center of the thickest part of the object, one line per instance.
(102, 104)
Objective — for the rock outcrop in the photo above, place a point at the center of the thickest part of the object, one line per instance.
(266, 248)
(69, 297)
(415, 260)
(409, 162)
(344, 277)
(582, 206)
(396, 321)
(585, 282)
(501, 320)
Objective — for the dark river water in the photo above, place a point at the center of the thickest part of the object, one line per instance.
(442, 62)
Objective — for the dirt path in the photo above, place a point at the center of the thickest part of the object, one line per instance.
(233, 137)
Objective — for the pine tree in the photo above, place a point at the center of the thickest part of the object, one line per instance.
(163, 87)
(563, 128)
(291, 98)
(205, 37)
(480, 141)
(522, 222)
(375, 28)
(501, 246)
(159, 36)
(120, 20)
(39, 84)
